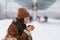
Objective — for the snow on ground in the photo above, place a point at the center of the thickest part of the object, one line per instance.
(42, 31)
(4, 24)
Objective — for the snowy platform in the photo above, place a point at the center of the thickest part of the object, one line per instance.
(42, 31)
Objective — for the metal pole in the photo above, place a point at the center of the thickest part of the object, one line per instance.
(6, 9)
(34, 9)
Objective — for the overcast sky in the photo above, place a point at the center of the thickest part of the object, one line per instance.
(15, 5)
(12, 6)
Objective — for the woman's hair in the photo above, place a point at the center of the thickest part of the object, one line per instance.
(20, 25)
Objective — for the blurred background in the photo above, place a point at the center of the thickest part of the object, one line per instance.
(44, 15)
(50, 8)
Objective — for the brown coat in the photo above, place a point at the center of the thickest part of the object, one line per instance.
(13, 31)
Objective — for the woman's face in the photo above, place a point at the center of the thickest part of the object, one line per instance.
(26, 19)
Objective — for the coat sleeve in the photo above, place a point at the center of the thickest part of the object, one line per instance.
(12, 30)
(24, 36)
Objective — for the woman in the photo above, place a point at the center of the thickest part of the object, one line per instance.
(19, 24)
